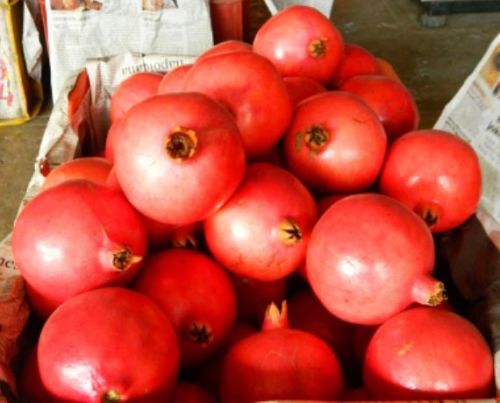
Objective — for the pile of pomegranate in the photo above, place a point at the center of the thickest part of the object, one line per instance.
(259, 227)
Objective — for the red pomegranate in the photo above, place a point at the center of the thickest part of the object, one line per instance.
(94, 169)
(436, 174)
(425, 353)
(251, 89)
(172, 144)
(300, 41)
(335, 143)
(354, 262)
(109, 345)
(229, 46)
(173, 81)
(75, 237)
(305, 312)
(196, 294)
(356, 61)
(280, 364)
(262, 232)
(390, 99)
(131, 91)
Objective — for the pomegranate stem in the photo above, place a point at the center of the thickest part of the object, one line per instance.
(200, 333)
(428, 291)
(275, 318)
(290, 232)
(317, 48)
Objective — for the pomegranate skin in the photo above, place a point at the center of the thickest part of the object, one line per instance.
(171, 144)
(281, 364)
(173, 81)
(426, 353)
(391, 101)
(85, 354)
(262, 232)
(356, 61)
(335, 143)
(436, 174)
(354, 262)
(75, 237)
(203, 312)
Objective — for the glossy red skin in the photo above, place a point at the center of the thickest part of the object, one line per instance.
(351, 158)
(356, 61)
(286, 37)
(251, 88)
(305, 312)
(354, 262)
(131, 91)
(390, 99)
(300, 88)
(210, 298)
(281, 364)
(170, 190)
(210, 373)
(228, 46)
(186, 392)
(254, 296)
(173, 81)
(244, 234)
(94, 169)
(434, 167)
(449, 360)
(64, 240)
(84, 351)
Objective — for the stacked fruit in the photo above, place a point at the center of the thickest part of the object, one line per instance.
(285, 174)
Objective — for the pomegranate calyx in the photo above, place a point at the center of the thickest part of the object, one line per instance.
(438, 296)
(111, 396)
(200, 333)
(274, 318)
(124, 258)
(430, 212)
(181, 144)
(317, 48)
(187, 242)
(290, 232)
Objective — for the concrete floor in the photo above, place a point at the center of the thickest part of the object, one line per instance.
(432, 62)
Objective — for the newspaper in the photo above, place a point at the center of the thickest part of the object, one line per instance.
(325, 6)
(79, 30)
(474, 115)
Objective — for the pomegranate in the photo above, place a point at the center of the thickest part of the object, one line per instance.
(109, 345)
(187, 236)
(305, 312)
(109, 147)
(171, 144)
(131, 91)
(335, 143)
(390, 99)
(279, 364)
(300, 88)
(300, 41)
(251, 89)
(354, 262)
(94, 169)
(356, 61)
(186, 392)
(254, 296)
(229, 46)
(262, 232)
(436, 174)
(173, 81)
(202, 312)
(75, 237)
(425, 353)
